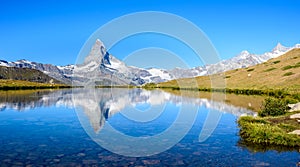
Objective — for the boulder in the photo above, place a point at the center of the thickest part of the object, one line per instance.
(295, 116)
(297, 132)
(294, 107)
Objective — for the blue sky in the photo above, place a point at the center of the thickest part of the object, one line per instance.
(54, 31)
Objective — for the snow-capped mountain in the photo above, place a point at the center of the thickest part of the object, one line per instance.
(246, 59)
(242, 60)
(61, 73)
(101, 68)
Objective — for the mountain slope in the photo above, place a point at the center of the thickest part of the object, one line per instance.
(26, 74)
(61, 73)
(278, 73)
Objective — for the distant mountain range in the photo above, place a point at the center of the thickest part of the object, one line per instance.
(282, 72)
(26, 74)
(102, 68)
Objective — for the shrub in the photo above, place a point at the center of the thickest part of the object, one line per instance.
(251, 69)
(288, 74)
(275, 62)
(269, 69)
(273, 107)
(287, 67)
(150, 86)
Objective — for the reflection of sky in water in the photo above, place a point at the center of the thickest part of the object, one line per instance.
(143, 107)
(51, 134)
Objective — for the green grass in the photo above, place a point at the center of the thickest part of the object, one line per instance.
(25, 85)
(275, 62)
(291, 66)
(287, 67)
(273, 125)
(270, 69)
(261, 131)
(288, 74)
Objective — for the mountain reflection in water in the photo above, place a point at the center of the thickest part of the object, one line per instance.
(70, 128)
(100, 104)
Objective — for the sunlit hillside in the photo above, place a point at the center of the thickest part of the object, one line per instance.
(279, 73)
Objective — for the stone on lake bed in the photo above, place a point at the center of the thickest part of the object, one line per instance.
(151, 162)
(60, 155)
(81, 154)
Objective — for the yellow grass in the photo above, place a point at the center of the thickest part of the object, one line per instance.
(279, 73)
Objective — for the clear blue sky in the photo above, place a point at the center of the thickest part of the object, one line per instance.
(54, 31)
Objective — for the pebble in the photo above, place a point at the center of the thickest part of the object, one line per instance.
(6, 160)
(81, 154)
(42, 145)
(60, 155)
(151, 162)
(89, 161)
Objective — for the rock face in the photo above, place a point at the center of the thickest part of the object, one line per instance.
(294, 107)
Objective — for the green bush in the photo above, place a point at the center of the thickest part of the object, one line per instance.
(275, 62)
(288, 74)
(150, 86)
(273, 107)
(269, 69)
(287, 67)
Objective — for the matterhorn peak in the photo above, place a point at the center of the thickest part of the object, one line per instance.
(99, 42)
(97, 52)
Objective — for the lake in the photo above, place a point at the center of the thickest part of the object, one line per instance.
(129, 127)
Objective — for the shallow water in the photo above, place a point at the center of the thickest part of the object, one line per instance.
(125, 127)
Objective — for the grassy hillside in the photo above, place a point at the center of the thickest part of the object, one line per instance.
(26, 74)
(279, 73)
(21, 85)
